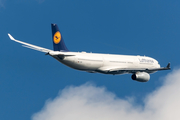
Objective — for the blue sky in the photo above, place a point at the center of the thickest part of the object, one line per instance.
(29, 78)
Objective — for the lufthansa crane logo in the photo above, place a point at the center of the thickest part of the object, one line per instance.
(57, 37)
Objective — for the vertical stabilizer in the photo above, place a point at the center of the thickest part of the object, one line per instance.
(58, 42)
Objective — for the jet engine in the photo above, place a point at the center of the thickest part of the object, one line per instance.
(141, 76)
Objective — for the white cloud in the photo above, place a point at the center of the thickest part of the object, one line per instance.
(88, 102)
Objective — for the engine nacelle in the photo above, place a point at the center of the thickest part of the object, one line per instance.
(141, 77)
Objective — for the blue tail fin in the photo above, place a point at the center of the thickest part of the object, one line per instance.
(58, 42)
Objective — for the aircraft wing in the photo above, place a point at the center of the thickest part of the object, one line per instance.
(162, 68)
(34, 47)
(132, 70)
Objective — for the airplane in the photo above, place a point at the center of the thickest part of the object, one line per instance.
(139, 66)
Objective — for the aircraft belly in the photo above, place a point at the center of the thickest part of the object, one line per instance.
(88, 62)
(81, 63)
(68, 61)
(89, 65)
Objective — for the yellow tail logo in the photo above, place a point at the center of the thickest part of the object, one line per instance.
(57, 37)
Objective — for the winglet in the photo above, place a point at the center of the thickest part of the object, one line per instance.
(168, 66)
(11, 37)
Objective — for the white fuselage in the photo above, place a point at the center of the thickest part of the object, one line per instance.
(105, 63)
(138, 66)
